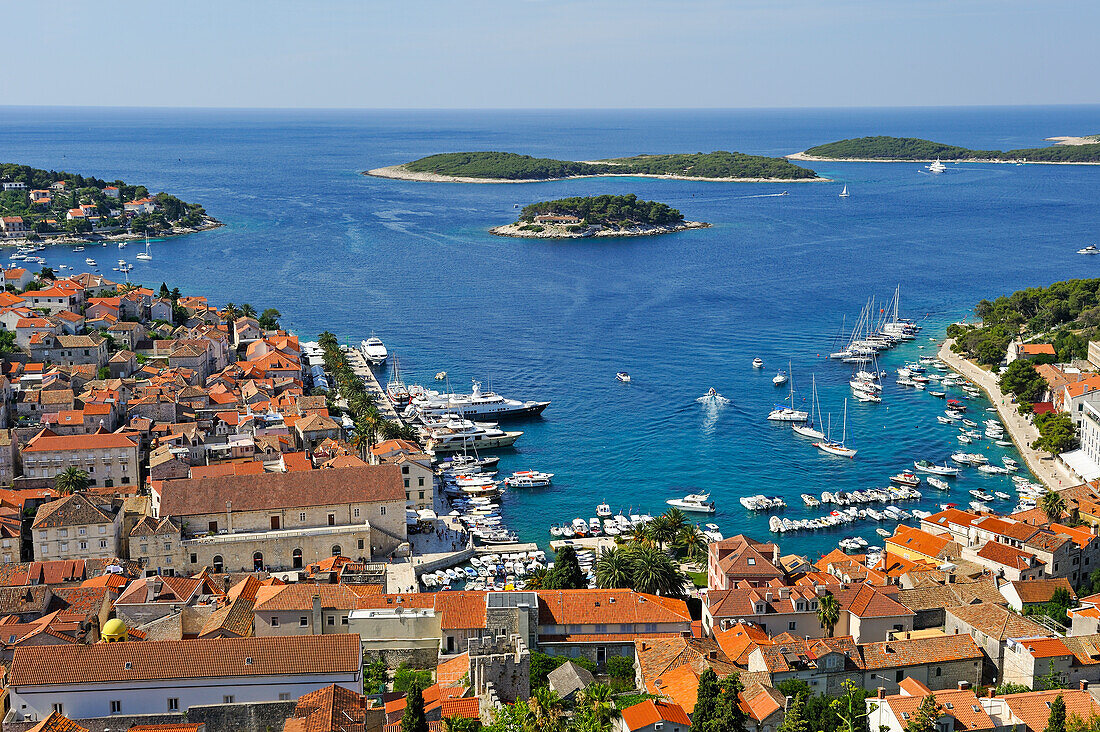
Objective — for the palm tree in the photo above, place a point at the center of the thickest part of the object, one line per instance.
(536, 579)
(248, 311)
(637, 536)
(828, 613)
(692, 542)
(597, 698)
(675, 519)
(546, 709)
(613, 569)
(71, 480)
(660, 530)
(654, 572)
(231, 313)
(1053, 505)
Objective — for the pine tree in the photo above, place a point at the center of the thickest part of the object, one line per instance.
(566, 574)
(795, 718)
(414, 719)
(927, 714)
(728, 715)
(706, 701)
(1056, 722)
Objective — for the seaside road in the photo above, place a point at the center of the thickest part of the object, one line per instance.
(1049, 470)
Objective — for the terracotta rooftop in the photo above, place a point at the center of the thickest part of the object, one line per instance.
(650, 712)
(997, 621)
(915, 652)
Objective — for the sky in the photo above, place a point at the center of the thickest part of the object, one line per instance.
(434, 54)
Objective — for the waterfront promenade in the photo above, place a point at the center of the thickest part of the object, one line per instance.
(1020, 429)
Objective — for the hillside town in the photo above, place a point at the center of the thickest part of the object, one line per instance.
(199, 534)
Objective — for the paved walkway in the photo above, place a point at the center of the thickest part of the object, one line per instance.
(1019, 428)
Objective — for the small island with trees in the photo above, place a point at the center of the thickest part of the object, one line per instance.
(581, 217)
(506, 167)
(1069, 151)
(37, 205)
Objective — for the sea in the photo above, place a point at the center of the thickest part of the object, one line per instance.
(779, 277)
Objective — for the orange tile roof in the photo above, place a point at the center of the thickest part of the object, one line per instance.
(188, 659)
(906, 537)
(1042, 590)
(45, 443)
(997, 621)
(1009, 556)
(331, 709)
(466, 707)
(451, 671)
(578, 607)
(650, 712)
(1032, 707)
(962, 705)
(919, 651)
(56, 722)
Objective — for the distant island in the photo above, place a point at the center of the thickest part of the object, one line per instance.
(913, 149)
(505, 167)
(580, 217)
(38, 205)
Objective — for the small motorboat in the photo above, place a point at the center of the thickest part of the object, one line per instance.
(927, 466)
(1002, 495)
(1090, 249)
(712, 397)
(883, 532)
(441, 376)
(623, 376)
(603, 510)
(939, 484)
(780, 378)
(757, 363)
(938, 394)
(905, 478)
(695, 502)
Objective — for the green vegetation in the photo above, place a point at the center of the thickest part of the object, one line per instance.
(405, 678)
(926, 717)
(374, 677)
(1057, 609)
(170, 211)
(1022, 380)
(414, 720)
(566, 574)
(1056, 720)
(913, 148)
(511, 166)
(1068, 312)
(717, 708)
(609, 211)
(1057, 433)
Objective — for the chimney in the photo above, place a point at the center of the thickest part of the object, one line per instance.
(907, 635)
(643, 646)
(964, 685)
(318, 628)
(1083, 685)
(993, 692)
(881, 693)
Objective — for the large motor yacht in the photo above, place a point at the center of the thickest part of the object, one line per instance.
(456, 435)
(374, 351)
(475, 404)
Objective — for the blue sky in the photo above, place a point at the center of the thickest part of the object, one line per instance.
(551, 53)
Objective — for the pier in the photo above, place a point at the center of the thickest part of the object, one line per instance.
(363, 370)
(1020, 429)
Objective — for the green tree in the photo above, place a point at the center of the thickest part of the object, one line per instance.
(1010, 688)
(706, 704)
(795, 718)
(597, 707)
(70, 480)
(248, 311)
(850, 707)
(164, 293)
(461, 724)
(414, 719)
(510, 718)
(614, 569)
(691, 542)
(7, 341)
(654, 572)
(405, 678)
(1056, 720)
(1052, 679)
(1021, 379)
(1052, 505)
(728, 715)
(269, 319)
(1057, 433)
(828, 613)
(546, 710)
(924, 720)
(374, 677)
(566, 574)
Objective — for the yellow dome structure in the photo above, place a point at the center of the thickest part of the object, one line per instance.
(114, 630)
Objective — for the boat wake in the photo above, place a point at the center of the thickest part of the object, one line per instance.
(713, 398)
(767, 195)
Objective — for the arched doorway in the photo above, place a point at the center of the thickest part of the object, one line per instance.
(217, 562)
(257, 562)
(296, 559)
(336, 550)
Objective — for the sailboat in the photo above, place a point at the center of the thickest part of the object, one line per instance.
(810, 428)
(145, 255)
(838, 448)
(783, 413)
(396, 389)
(844, 193)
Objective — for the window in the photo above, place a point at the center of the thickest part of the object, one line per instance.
(275, 524)
(381, 510)
(302, 516)
(64, 546)
(81, 531)
(343, 620)
(63, 533)
(59, 708)
(939, 671)
(116, 706)
(258, 561)
(227, 699)
(284, 696)
(83, 545)
(102, 543)
(355, 512)
(421, 482)
(274, 621)
(103, 529)
(336, 551)
(422, 495)
(360, 543)
(217, 562)
(332, 519)
(752, 561)
(173, 704)
(45, 549)
(899, 675)
(144, 548)
(303, 621)
(792, 625)
(296, 559)
(332, 620)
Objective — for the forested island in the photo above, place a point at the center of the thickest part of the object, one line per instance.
(914, 149)
(40, 204)
(579, 217)
(505, 167)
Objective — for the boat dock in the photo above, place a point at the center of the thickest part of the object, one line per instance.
(591, 543)
(363, 370)
(1019, 428)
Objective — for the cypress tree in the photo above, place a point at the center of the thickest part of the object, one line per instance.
(566, 574)
(706, 702)
(1056, 722)
(414, 720)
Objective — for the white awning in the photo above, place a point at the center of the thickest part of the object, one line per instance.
(1081, 464)
(426, 514)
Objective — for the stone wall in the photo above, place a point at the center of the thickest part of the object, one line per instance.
(414, 657)
(259, 717)
(502, 666)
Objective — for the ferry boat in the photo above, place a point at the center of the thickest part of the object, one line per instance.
(475, 404)
(374, 350)
(694, 502)
(456, 435)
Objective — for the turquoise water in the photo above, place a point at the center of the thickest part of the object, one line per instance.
(772, 278)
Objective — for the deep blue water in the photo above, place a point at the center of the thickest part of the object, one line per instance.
(333, 249)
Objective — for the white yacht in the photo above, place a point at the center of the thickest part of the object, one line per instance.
(456, 435)
(937, 167)
(809, 429)
(927, 466)
(844, 193)
(787, 412)
(758, 363)
(475, 404)
(838, 448)
(694, 502)
(1090, 249)
(374, 350)
(528, 479)
(780, 378)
